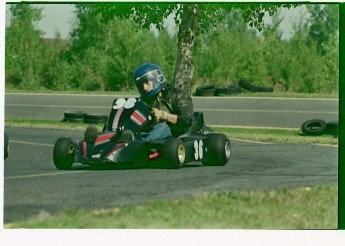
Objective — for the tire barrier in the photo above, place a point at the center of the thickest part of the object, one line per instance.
(96, 119)
(205, 91)
(76, 117)
(83, 117)
(228, 90)
(317, 127)
(212, 90)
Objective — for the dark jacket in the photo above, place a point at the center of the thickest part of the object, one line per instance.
(176, 101)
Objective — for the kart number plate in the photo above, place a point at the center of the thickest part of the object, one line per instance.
(124, 103)
(198, 149)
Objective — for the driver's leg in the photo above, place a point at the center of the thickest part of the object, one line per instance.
(159, 132)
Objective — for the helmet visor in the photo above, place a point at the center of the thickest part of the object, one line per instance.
(156, 77)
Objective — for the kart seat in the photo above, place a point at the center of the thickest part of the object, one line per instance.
(198, 122)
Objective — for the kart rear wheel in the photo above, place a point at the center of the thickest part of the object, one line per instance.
(174, 153)
(219, 150)
(63, 153)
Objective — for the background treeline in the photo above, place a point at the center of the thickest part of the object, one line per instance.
(102, 57)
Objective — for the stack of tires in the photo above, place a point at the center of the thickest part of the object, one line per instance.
(77, 117)
(212, 90)
(205, 91)
(83, 117)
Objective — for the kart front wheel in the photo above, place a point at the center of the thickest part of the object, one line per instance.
(63, 153)
(219, 150)
(174, 153)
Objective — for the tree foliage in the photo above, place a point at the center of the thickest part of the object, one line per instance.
(267, 60)
(108, 53)
(324, 24)
(102, 55)
(191, 18)
(22, 46)
(30, 59)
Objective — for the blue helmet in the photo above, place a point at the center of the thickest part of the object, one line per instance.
(149, 72)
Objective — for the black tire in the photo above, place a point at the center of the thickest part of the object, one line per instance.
(314, 127)
(207, 90)
(76, 114)
(6, 146)
(248, 86)
(228, 90)
(63, 153)
(332, 128)
(75, 117)
(218, 150)
(221, 90)
(174, 153)
(264, 89)
(95, 119)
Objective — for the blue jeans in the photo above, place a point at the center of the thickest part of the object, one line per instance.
(159, 132)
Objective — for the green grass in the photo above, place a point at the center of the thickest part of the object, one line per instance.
(275, 135)
(286, 95)
(251, 134)
(299, 208)
(126, 92)
(47, 124)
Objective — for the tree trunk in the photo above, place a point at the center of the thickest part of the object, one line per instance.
(187, 39)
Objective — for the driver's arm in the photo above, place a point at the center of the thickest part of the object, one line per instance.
(182, 110)
(172, 118)
(164, 115)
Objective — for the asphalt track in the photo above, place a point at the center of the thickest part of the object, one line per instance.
(234, 111)
(33, 187)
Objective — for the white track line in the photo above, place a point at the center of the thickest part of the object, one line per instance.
(43, 175)
(31, 143)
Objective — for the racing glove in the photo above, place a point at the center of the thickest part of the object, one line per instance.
(159, 114)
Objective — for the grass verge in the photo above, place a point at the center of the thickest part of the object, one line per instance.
(252, 134)
(276, 136)
(47, 124)
(299, 208)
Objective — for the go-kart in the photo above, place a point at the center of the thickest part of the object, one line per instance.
(109, 147)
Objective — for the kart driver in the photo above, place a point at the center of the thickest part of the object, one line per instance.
(171, 108)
